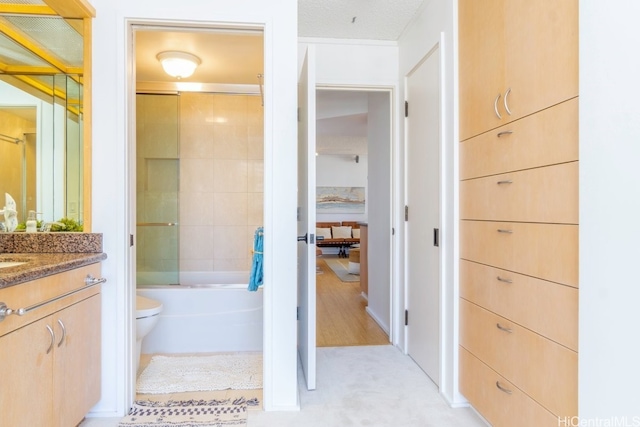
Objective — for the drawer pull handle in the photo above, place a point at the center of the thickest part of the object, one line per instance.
(53, 337)
(506, 101)
(506, 181)
(64, 332)
(502, 328)
(500, 279)
(506, 390)
(502, 230)
(504, 132)
(495, 106)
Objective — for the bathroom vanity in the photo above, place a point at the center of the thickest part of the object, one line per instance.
(50, 337)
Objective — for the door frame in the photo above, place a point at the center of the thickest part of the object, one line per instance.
(396, 304)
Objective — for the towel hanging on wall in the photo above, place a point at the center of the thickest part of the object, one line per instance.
(255, 280)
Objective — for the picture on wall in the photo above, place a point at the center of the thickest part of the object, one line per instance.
(340, 200)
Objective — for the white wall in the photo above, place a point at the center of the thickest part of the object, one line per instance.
(609, 367)
(341, 171)
(111, 177)
(437, 24)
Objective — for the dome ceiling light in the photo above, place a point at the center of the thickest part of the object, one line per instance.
(178, 64)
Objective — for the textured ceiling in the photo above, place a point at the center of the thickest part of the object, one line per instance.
(374, 19)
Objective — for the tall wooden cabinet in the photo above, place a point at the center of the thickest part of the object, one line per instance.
(519, 209)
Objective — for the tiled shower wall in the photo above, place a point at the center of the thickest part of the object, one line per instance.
(200, 164)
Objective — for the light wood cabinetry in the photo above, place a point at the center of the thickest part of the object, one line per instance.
(517, 57)
(50, 366)
(519, 172)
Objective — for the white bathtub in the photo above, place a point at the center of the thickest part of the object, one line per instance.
(201, 317)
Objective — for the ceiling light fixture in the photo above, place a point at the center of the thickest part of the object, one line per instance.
(178, 64)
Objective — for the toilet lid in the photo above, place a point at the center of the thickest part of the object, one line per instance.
(146, 307)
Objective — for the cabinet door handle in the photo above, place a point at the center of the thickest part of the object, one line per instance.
(502, 328)
(506, 101)
(495, 106)
(501, 230)
(53, 338)
(506, 181)
(506, 390)
(64, 332)
(504, 132)
(500, 279)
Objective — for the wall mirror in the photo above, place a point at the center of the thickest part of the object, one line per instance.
(44, 108)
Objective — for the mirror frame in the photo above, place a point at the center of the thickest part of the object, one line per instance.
(73, 9)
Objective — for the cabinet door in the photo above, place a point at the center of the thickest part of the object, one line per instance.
(25, 374)
(76, 375)
(481, 64)
(541, 39)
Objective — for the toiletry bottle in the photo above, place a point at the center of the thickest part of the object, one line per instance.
(32, 223)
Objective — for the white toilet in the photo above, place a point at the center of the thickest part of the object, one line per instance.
(147, 314)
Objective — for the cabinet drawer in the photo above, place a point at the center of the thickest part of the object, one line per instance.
(547, 194)
(544, 307)
(545, 251)
(478, 383)
(545, 370)
(545, 138)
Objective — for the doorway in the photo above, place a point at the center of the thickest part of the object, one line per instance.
(198, 154)
(353, 152)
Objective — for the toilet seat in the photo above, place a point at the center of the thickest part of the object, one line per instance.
(147, 307)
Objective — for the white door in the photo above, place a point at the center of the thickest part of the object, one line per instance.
(423, 212)
(307, 219)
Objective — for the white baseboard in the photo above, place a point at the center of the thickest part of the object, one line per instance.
(378, 320)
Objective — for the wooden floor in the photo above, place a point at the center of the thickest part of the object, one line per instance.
(341, 316)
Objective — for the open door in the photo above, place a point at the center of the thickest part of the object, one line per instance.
(307, 219)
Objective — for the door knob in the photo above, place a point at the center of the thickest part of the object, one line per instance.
(303, 238)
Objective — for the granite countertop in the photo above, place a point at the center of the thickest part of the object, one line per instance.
(43, 264)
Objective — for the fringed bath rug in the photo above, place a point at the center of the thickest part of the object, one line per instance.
(187, 413)
(175, 374)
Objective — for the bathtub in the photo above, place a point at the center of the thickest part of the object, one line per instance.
(207, 313)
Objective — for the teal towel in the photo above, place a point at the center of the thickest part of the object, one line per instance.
(255, 279)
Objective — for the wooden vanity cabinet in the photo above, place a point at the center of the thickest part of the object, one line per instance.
(50, 363)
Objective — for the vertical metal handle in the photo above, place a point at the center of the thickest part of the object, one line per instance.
(506, 102)
(495, 106)
(64, 332)
(436, 237)
(53, 338)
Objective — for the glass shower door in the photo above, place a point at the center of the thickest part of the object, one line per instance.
(158, 171)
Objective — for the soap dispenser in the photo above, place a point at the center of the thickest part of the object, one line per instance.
(32, 222)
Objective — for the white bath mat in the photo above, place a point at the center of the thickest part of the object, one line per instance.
(175, 374)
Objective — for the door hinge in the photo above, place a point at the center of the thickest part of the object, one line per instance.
(393, 231)
(297, 313)
(406, 318)
(436, 237)
(298, 114)
(406, 108)
(406, 213)
(130, 239)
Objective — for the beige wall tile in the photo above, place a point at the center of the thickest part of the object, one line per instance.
(230, 176)
(189, 264)
(230, 209)
(196, 208)
(230, 242)
(231, 108)
(196, 141)
(197, 175)
(230, 141)
(161, 207)
(196, 108)
(255, 178)
(162, 175)
(255, 216)
(196, 242)
(231, 265)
